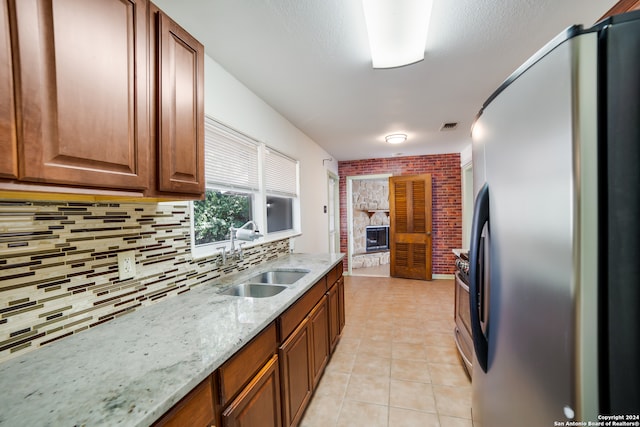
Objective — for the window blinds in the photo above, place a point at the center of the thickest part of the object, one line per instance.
(231, 158)
(281, 174)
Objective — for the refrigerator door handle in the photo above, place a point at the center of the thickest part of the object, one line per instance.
(477, 291)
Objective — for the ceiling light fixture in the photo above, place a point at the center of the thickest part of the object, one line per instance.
(397, 31)
(396, 138)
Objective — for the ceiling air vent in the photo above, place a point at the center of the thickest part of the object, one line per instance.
(449, 126)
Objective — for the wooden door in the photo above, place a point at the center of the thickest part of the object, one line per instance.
(258, 405)
(8, 148)
(83, 92)
(319, 324)
(410, 226)
(180, 116)
(297, 382)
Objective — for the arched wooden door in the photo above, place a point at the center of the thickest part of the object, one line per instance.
(410, 226)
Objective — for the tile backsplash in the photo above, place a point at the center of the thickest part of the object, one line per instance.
(59, 265)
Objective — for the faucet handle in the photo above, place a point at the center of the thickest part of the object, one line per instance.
(224, 254)
(241, 250)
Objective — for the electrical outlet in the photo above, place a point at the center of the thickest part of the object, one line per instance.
(127, 265)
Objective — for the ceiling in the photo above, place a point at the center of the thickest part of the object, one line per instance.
(309, 60)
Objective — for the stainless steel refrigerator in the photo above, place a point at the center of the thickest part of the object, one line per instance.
(555, 276)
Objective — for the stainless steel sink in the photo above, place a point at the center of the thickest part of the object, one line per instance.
(281, 277)
(254, 290)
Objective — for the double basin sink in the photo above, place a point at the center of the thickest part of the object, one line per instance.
(266, 284)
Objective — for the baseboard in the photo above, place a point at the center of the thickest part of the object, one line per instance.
(443, 276)
(433, 276)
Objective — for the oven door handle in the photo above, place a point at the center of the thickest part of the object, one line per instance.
(478, 291)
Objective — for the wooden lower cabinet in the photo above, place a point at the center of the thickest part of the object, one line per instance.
(257, 387)
(243, 366)
(304, 355)
(258, 405)
(336, 313)
(195, 409)
(334, 316)
(341, 305)
(319, 325)
(296, 373)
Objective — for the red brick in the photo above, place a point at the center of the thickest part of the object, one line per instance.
(446, 204)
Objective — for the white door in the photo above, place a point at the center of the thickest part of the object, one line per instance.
(333, 211)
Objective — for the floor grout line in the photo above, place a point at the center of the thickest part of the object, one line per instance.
(427, 319)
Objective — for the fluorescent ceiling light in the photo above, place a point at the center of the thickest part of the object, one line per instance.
(396, 138)
(397, 30)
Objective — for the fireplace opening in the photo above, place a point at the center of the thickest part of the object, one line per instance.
(377, 238)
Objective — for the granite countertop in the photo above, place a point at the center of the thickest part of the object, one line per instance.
(132, 369)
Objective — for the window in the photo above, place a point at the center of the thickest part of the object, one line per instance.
(281, 185)
(217, 212)
(279, 214)
(246, 180)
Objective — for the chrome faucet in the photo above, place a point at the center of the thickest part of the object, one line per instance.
(233, 232)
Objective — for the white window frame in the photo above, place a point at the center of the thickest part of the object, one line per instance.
(259, 198)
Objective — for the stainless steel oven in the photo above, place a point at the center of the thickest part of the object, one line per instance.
(462, 330)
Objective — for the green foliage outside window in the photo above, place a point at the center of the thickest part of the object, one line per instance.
(217, 212)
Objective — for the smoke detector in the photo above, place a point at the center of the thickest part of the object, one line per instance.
(449, 126)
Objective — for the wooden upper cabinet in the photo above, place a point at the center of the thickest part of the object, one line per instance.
(83, 92)
(621, 7)
(8, 148)
(179, 86)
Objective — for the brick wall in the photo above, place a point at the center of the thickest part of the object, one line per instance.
(446, 205)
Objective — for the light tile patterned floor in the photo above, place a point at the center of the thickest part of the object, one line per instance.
(396, 364)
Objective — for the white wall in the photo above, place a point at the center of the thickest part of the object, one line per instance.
(465, 156)
(230, 102)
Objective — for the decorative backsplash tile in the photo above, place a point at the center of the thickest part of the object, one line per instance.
(59, 265)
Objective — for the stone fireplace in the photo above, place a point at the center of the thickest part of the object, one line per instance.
(370, 208)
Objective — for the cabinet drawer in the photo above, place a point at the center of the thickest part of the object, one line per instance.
(290, 319)
(334, 274)
(237, 371)
(195, 409)
(259, 403)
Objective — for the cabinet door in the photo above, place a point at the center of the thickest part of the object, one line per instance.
(341, 305)
(319, 324)
(297, 383)
(334, 316)
(180, 119)
(8, 159)
(258, 405)
(83, 92)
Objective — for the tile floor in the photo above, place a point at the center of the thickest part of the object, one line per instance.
(396, 364)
